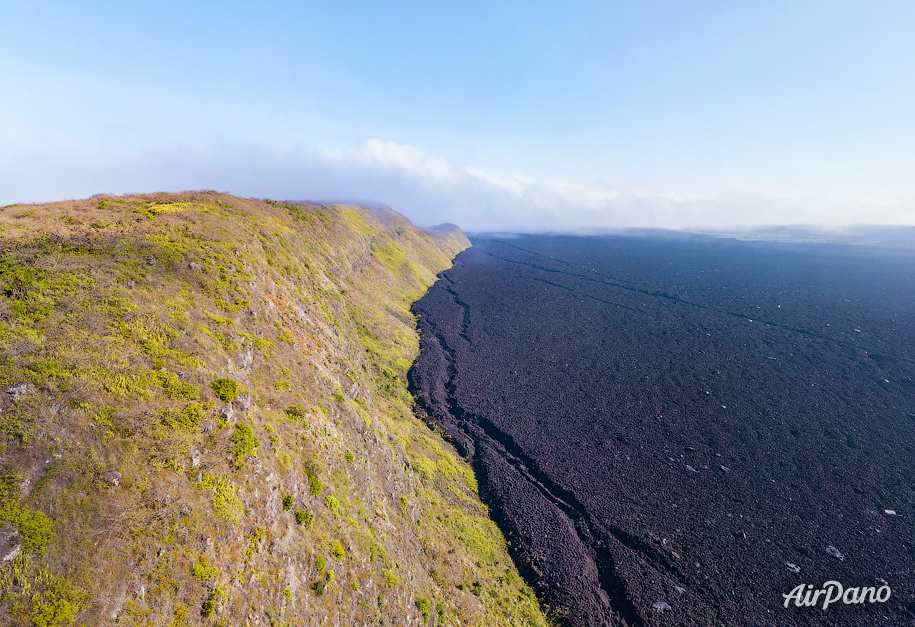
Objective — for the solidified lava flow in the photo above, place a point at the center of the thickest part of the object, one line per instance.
(683, 430)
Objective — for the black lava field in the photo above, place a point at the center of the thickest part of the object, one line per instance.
(681, 430)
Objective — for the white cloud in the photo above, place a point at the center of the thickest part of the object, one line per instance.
(387, 156)
(425, 187)
(429, 188)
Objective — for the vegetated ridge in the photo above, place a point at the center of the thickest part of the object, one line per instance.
(205, 421)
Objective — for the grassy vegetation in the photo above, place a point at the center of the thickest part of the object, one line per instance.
(214, 390)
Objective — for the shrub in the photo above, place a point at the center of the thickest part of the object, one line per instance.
(204, 572)
(296, 412)
(311, 471)
(332, 503)
(188, 419)
(51, 610)
(209, 607)
(320, 563)
(337, 550)
(192, 415)
(225, 502)
(304, 517)
(36, 529)
(225, 390)
(177, 389)
(350, 457)
(287, 502)
(391, 580)
(318, 587)
(242, 444)
(425, 608)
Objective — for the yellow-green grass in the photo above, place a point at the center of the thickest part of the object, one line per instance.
(142, 499)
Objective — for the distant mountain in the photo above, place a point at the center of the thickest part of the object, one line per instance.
(859, 234)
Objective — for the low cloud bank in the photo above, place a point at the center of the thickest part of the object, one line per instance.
(426, 188)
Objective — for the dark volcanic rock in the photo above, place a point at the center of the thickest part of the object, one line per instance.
(660, 426)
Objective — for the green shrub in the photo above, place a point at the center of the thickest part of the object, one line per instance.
(332, 503)
(391, 580)
(425, 608)
(337, 550)
(226, 502)
(349, 456)
(204, 572)
(304, 517)
(311, 471)
(36, 529)
(187, 420)
(296, 412)
(242, 444)
(177, 389)
(287, 502)
(51, 610)
(209, 607)
(320, 563)
(225, 390)
(318, 587)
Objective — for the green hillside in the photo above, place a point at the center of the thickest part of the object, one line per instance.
(204, 421)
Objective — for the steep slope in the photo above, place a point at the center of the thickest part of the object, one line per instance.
(205, 421)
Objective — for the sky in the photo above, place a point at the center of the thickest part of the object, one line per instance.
(496, 116)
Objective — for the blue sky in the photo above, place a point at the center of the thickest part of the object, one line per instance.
(508, 116)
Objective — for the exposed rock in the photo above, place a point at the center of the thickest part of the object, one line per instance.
(245, 359)
(831, 550)
(10, 545)
(227, 413)
(20, 390)
(243, 403)
(113, 477)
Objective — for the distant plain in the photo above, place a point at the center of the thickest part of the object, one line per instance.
(678, 429)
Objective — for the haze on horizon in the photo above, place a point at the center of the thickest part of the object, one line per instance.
(511, 117)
